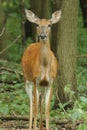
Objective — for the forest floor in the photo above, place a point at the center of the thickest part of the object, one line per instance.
(14, 101)
(23, 125)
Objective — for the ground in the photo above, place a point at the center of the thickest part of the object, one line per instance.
(14, 102)
(23, 125)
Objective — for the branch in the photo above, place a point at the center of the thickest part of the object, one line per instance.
(59, 124)
(82, 55)
(9, 82)
(14, 118)
(10, 62)
(3, 30)
(26, 118)
(10, 70)
(10, 45)
(57, 121)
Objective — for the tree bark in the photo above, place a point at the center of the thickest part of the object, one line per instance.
(66, 49)
(44, 9)
(56, 5)
(35, 6)
(83, 4)
(22, 11)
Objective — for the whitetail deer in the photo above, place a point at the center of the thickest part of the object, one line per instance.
(40, 68)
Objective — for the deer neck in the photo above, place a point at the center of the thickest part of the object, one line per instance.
(44, 53)
(45, 44)
(45, 61)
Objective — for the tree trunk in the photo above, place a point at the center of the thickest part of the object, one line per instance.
(56, 5)
(35, 6)
(44, 9)
(66, 49)
(40, 8)
(22, 12)
(83, 4)
(2, 32)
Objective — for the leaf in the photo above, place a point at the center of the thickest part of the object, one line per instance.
(82, 127)
(77, 114)
(83, 99)
(56, 128)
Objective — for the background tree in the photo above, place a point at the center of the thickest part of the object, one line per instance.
(55, 5)
(83, 4)
(66, 48)
(22, 11)
(3, 34)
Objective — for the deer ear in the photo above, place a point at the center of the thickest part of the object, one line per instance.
(56, 17)
(31, 16)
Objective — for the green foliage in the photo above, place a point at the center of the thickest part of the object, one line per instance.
(82, 80)
(13, 5)
(12, 93)
(14, 29)
(82, 127)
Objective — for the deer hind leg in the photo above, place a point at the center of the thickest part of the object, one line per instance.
(35, 108)
(29, 86)
(47, 109)
(41, 99)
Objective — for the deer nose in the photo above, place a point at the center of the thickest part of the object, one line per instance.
(42, 36)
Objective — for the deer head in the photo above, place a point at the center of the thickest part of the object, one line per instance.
(43, 26)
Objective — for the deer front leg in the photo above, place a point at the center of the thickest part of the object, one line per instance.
(47, 111)
(35, 106)
(29, 86)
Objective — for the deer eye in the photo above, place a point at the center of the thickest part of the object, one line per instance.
(37, 25)
(49, 25)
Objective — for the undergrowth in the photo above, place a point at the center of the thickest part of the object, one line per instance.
(14, 100)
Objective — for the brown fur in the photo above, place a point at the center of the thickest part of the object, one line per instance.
(31, 62)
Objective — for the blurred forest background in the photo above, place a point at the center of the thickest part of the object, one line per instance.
(68, 42)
